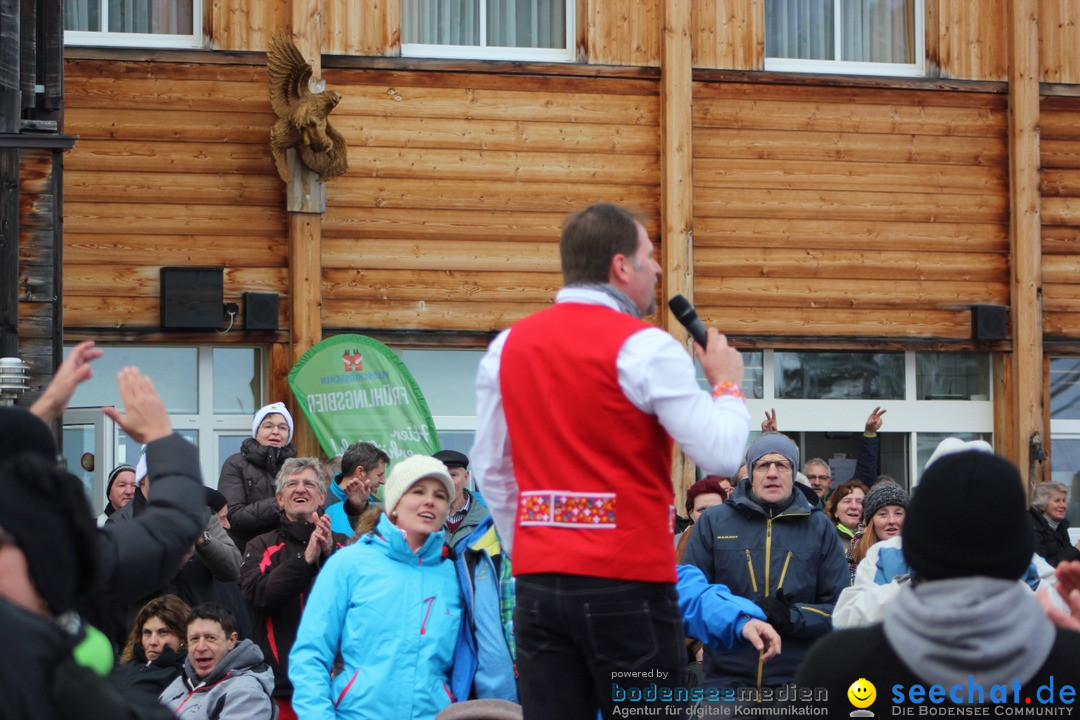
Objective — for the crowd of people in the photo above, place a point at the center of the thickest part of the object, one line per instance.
(540, 575)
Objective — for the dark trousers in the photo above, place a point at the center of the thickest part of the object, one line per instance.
(586, 643)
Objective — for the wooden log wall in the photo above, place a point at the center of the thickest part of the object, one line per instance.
(458, 185)
(172, 168)
(848, 211)
(1060, 162)
(448, 218)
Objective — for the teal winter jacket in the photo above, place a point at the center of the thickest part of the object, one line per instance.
(393, 616)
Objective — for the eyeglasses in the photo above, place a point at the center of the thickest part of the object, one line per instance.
(781, 466)
(819, 477)
(268, 425)
(307, 484)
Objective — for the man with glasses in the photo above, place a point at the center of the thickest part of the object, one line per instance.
(280, 567)
(817, 472)
(770, 543)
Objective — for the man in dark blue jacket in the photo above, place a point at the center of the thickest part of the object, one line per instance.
(770, 542)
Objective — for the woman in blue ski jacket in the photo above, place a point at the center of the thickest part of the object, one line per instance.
(390, 605)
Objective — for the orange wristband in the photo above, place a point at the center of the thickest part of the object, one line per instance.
(727, 388)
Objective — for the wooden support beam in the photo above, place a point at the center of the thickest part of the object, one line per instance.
(306, 201)
(676, 180)
(1025, 239)
(305, 297)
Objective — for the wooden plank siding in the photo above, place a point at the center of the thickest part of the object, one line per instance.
(172, 168)
(838, 212)
(1059, 36)
(458, 184)
(729, 34)
(38, 291)
(1060, 162)
(971, 45)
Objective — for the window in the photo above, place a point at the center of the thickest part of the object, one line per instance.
(850, 375)
(488, 29)
(1065, 429)
(868, 37)
(133, 23)
(952, 376)
(822, 400)
(448, 380)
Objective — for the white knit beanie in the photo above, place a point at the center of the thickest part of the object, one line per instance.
(270, 409)
(951, 445)
(408, 472)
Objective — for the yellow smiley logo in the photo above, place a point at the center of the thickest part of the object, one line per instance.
(862, 693)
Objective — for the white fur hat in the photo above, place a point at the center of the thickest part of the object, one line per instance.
(411, 470)
(270, 409)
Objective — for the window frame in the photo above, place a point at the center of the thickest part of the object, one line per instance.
(848, 67)
(108, 38)
(486, 52)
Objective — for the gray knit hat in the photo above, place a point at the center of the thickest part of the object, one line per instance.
(772, 442)
(883, 494)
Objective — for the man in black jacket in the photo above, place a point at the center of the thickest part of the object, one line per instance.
(280, 567)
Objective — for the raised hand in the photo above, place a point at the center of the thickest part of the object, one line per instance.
(874, 422)
(74, 371)
(769, 423)
(144, 418)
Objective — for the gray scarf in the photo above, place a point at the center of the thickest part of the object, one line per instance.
(623, 300)
(994, 629)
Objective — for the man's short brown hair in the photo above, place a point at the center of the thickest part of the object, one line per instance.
(591, 238)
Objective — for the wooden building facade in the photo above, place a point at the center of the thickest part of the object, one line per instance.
(802, 212)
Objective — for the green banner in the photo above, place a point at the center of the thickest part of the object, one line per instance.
(352, 388)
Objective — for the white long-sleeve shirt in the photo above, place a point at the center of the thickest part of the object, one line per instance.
(656, 375)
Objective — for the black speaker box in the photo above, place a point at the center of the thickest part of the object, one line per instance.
(988, 322)
(260, 311)
(192, 297)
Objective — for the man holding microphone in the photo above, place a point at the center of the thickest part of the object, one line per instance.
(577, 408)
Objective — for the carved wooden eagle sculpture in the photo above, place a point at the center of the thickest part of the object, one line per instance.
(302, 114)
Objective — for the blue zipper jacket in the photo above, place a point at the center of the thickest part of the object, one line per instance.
(757, 554)
(394, 618)
(483, 664)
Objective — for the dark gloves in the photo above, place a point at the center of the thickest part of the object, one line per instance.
(777, 609)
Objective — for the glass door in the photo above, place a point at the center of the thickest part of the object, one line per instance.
(89, 451)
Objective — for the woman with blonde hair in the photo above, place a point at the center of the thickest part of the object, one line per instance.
(155, 650)
(884, 509)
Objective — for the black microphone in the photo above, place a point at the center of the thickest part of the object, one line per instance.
(684, 313)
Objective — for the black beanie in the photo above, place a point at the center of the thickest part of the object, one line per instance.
(112, 476)
(968, 517)
(22, 431)
(214, 500)
(45, 509)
